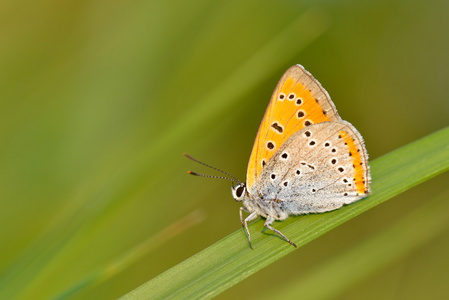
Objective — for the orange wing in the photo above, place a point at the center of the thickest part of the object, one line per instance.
(298, 100)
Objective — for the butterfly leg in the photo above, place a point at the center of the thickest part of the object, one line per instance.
(251, 217)
(268, 225)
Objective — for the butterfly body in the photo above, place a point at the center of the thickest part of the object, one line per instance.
(305, 158)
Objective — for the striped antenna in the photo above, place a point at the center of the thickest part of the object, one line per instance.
(231, 178)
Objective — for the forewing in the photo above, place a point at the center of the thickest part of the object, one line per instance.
(298, 101)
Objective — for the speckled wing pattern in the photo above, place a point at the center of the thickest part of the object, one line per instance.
(319, 168)
(298, 101)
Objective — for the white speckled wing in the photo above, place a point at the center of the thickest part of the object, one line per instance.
(319, 168)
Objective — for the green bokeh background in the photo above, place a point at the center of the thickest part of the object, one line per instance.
(99, 99)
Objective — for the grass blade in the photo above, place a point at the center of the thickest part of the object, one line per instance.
(348, 268)
(230, 260)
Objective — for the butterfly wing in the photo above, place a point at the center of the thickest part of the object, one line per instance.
(318, 169)
(298, 101)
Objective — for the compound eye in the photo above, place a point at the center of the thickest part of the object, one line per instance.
(239, 191)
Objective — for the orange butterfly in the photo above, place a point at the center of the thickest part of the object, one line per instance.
(305, 158)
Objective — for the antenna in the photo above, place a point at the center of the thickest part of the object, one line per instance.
(231, 178)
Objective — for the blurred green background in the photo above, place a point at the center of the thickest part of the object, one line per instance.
(99, 99)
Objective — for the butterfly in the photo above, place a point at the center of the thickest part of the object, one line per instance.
(305, 158)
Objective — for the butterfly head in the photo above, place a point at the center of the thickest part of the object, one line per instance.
(239, 192)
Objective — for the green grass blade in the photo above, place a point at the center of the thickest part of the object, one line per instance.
(348, 268)
(230, 260)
